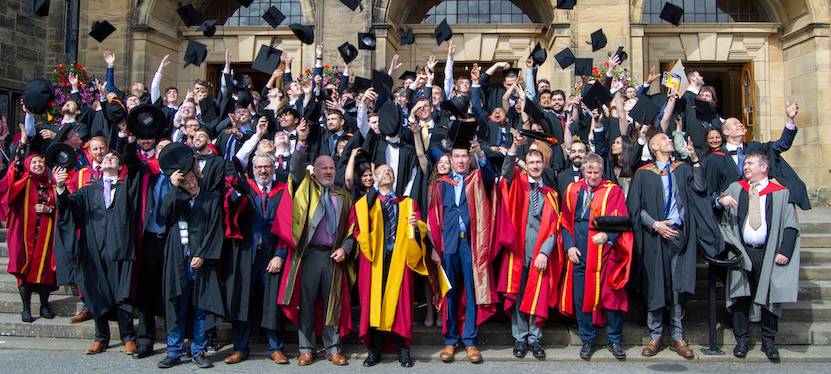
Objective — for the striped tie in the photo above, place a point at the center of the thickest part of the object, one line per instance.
(390, 210)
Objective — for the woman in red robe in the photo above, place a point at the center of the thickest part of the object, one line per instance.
(31, 223)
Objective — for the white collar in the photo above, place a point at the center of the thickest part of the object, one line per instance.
(732, 147)
(762, 184)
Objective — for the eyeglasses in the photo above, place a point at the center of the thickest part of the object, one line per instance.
(263, 166)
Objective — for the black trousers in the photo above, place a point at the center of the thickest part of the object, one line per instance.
(150, 281)
(376, 342)
(125, 326)
(741, 309)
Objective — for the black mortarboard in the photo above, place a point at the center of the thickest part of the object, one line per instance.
(116, 111)
(583, 66)
(389, 118)
(195, 53)
(443, 32)
(361, 84)
(238, 84)
(38, 7)
(539, 54)
(274, 16)
(38, 94)
(348, 52)
(612, 224)
(352, 4)
(208, 28)
(598, 40)
(306, 33)
(537, 135)
(511, 71)
(101, 30)
(621, 54)
(272, 120)
(245, 3)
(191, 15)
(407, 74)
(565, 58)
(457, 106)
(177, 156)
(63, 131)
(672, 13)
(461, 133)
(349, 104)
(597, 96)
(534, 111)
(645, 111)
(407, 37)
(267, 59)
(366, 40)
(382, 83)
(60, 155)
(147, 121)
(704, 109)
(566, 4)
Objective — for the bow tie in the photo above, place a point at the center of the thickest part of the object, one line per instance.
(394, 145)
(292, 136)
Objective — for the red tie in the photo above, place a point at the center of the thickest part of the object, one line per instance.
(265, 199)
(97, 172)
(280, 161)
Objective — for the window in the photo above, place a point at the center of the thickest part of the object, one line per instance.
(707, 11)
(231, 13)
(474, 11)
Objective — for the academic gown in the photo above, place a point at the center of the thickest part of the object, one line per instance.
(213, 174)
(205, 235)
(407, 164)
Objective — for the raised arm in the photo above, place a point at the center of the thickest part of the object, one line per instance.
(530, 79)
(672, 98)
(448, 70)
(155, 93)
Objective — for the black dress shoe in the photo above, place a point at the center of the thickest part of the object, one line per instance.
(202, 362)
(520, 349)
(587, 350)
(405, 360)
(142, 352)
(45, 312)
(617, 351)
(168, 362)
(537, 351)
(372, 359)
(26, 316)
(741, 350)
(770, 351)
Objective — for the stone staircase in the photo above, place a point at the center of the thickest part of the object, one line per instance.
(807, 322)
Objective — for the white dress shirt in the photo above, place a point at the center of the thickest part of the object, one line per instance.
(758, 236)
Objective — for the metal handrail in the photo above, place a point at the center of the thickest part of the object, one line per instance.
(730, 262)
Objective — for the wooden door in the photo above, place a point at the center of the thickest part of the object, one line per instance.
(748, 100)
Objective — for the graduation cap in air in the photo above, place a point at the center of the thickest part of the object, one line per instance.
(583, 66)
(622, 56)
(645, 111)
(348, 52)
(177, 156)
(274, 16)
(101, 30)
(407, 74)
(382, 83)
(389, 118)
(37, 7)
(672, 13)
(147, 121)
(537, 135)
(239, 85)
(598, 40)
(565, 58)
(195, 53)
(612, 224)
(443, 32)
(191, 15)
(566, 4)
(208, 28)
(704, 109)
(597, 96)
(361, 84)
(38, 94)
(539, 54)
(267, 60)
(366, 40)
(245, 3)
(352, 4)
(461, 133)
(60, 155)
(116, 111)
(306, 33)
(533, 110)
(407, 37)
(457, 106)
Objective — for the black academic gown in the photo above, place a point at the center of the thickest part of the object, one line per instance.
(205, 235)
(213, 173)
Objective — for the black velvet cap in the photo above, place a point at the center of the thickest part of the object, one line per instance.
(176, 156)
(348, 52)
(60, 155)
(566, 4)
(352, 4)
(274, 16)
(101, 30)
(147, 121)
(407, 74)
(361, 84)
(37, 7)
(190, 15)
(443, 32)
(534, 111)
(245, 3)
(621, 54)
(267, 59)
(565, 58)
(457, 106)
(462, 132)
(539, 54)
(389, 118)
(366, 40)
(37, 94)
(672, 13)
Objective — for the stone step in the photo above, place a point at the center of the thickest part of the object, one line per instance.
(63, 306)
(8, 284)
(816, 240)
(821, 272)
(810, 256)
(815, 227)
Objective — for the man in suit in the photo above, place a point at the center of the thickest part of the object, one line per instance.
(229, 139)
(572, 173)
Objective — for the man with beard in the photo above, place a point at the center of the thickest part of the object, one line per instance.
(326, 143)
(102, 211)
(573, 173)
(252, 274)
(553, 105)
(211, 166)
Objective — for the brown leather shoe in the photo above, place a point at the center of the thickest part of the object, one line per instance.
(97, 347)
(236, 357)
(85, 315)
(681, 347)
(129, 348)
(305, 359)
(473, 354)
(337, 359)
(652, 348)
(447, 353)
(280, 358)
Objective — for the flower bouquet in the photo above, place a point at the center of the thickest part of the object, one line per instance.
(619, 75)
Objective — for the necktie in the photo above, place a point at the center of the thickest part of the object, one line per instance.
(108, 195)
(329, 209)
(535, 197)
(332, 144)
(390, 209)
(425, 134)
(264, 199)
(280, 161)
(740, 161)
(229, 150)
(97, 174)
(669, 193)
(587, 199)
(754, 210)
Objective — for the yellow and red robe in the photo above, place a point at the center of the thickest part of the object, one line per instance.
(607, 268)
(541, 288)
